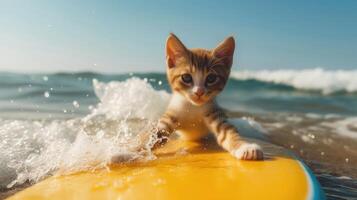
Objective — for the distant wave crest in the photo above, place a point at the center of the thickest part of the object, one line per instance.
(326, 81)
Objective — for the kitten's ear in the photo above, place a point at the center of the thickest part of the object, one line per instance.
(175, 50)
(225, 51)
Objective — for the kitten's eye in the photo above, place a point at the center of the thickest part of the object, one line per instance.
(211, 79)
(186, 78)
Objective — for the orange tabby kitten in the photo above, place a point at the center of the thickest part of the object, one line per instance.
(196, 77)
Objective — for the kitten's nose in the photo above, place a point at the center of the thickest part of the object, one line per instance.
(199, 91)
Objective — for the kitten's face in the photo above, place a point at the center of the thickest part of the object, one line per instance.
(198, 74)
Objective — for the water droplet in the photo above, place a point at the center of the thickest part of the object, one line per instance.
(160, 82)
(75, 104)
(90, 107)
(45, 78)
(312, 136)
(65, 111)
(46, 94)
(100, 134)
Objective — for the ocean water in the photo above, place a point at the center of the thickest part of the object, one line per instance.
(66, 122)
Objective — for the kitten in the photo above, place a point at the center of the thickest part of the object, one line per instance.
(196, 77)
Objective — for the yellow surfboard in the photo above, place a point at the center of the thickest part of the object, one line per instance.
(186, 170)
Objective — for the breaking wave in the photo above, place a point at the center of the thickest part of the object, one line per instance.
(326, 81)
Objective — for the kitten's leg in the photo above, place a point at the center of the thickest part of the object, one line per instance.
(227, 136)
(166, 126)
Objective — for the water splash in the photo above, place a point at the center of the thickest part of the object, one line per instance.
(35, 149)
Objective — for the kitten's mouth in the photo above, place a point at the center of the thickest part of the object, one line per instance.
(197, 101)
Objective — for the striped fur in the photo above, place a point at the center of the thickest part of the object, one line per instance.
(193, 111)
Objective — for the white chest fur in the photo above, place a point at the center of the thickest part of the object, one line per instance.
(190, 118)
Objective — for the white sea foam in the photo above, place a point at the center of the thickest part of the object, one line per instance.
(33, 149)
(326, 81)
(346, 127)
(344, 177)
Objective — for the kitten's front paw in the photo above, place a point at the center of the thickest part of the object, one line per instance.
(249, 151)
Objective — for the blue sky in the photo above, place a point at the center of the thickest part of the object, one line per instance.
(123, 36)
